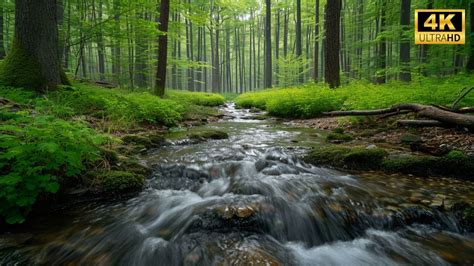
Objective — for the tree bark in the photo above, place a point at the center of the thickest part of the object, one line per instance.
(162, 48)
(2, 46)
(405, 74)
(316, 43)
(299, 50)
(333, 46)
(268, 45)
(470, 62)
(33, 61)
(381, 74)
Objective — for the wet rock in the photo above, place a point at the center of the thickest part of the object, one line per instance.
(244, 212)
(208, 134)
(261, 164)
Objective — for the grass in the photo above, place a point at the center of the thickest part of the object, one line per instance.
(311, 100)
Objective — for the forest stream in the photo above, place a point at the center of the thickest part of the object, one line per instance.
(250, 200)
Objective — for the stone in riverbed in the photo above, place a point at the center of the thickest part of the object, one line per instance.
(209, 134)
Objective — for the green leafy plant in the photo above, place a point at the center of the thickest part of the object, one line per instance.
(36, 153)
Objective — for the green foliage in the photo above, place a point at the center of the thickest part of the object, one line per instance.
(35, 152)
(313, 99)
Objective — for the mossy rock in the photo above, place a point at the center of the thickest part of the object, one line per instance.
(334, 137)
(147, 141)
(338, 130)
(117, 182)
(352, 158)
(133, 166)
(411, 164)
(455, 164)
(208, 134)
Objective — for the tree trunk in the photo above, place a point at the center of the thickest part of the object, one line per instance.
(33, 61)
(298, 44)
(268, 45)
(405, 74)
(2, 46)
(116, 50)
(316, 43)
(162, 48)
(332, 67)
(470, 62)
(381, 75)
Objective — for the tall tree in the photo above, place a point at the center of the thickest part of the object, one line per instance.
(316, 43)
(2, 46)
(33, 60)
(162, 48)
(381, 74)
(470, 62)
(333, 46)
(298, 48)
(268, 45)
(405, 74)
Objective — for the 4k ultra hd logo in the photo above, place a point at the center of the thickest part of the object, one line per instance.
(440, 26)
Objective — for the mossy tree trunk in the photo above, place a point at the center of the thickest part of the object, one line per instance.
(33, 61)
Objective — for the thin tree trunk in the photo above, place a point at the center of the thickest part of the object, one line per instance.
(268, 45)
(162, 48)
(405, 74)
(316, 44)
(332, 69)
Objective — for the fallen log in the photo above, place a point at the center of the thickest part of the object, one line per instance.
(426, 111)
(421, 123)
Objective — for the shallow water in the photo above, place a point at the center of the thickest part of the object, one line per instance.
(249, 200)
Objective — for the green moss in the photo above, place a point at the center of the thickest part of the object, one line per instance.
(352, 158)
(338, 130)
(117, 182)
(361, 158)
(339, 137)
(456, 164)
(145, 140)
(209, 134)
(21, 70)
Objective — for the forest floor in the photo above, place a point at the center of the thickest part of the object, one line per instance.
(429, 140)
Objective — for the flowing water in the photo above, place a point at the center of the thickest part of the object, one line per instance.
(249, 200)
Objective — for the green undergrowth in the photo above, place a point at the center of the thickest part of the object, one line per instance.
(118, 107)
(311, 100)
(37, 151)
(59, 140)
